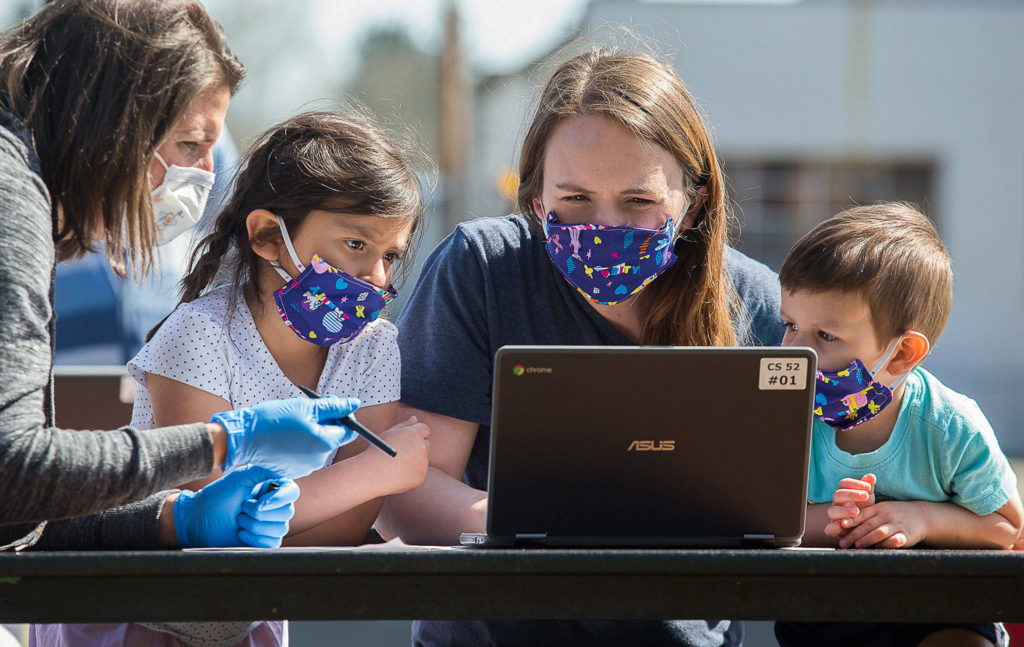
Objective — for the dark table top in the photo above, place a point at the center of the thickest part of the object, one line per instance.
(387, 582)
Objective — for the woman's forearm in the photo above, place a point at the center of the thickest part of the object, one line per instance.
(220, 443)
(58, 473)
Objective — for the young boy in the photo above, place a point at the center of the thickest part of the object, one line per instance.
(897, 459)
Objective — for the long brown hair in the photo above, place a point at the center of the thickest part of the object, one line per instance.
(99, 84)
(328, 160)
(692, 302)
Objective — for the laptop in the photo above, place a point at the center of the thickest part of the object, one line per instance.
(648, 446)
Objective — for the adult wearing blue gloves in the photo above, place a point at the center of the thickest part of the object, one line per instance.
(215, 516)
(253, 434)
(252, 504)
(108, 113)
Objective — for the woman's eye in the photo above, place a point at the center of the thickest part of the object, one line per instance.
(641, 201)
(355, 244)
(190, 146)
(574, 198)
(392, 257)
(827, 338)
(789, 327)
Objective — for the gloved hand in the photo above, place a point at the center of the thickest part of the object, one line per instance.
(213, 516)
(286, 435)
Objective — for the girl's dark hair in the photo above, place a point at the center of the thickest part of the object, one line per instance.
(333, 161)
(99, 84)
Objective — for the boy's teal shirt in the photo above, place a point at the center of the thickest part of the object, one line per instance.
(942, 448)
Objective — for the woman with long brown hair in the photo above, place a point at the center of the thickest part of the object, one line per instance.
(617, 148)
(108, 113)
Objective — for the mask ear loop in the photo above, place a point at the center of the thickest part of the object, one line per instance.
(160, 159)
(291, 252)
(885, 360)
(677, 233)
(546, 222)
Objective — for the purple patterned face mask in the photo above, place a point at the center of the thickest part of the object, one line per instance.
(608, 265)
(852, 396)
(323, 304)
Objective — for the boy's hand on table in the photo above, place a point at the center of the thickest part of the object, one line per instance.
(889, 524)
(848, 502)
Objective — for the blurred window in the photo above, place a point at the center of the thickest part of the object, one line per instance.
(779, 200)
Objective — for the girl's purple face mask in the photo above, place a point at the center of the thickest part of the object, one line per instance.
(323, 304)
(608, 265)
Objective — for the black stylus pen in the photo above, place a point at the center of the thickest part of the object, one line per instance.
(354, 425)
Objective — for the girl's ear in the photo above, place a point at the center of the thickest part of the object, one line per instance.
(264, 234)
(913, 348)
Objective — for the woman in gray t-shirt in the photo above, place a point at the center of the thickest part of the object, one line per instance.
(620, 239)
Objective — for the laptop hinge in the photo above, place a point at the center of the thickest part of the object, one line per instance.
(531, 537)
(758, 538)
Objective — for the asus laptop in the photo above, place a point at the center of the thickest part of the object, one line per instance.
(648, 446)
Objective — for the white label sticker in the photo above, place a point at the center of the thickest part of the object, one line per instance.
(786, 373)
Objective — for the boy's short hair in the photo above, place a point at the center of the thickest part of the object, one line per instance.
(888, 252)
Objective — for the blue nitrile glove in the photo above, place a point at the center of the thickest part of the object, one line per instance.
(286, 435)
(264, 518)
(213, 516)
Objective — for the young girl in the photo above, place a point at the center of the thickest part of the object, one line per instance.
(287, 291)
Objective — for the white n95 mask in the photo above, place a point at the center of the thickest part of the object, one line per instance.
(179, 201)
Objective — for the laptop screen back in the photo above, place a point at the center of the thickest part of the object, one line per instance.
(647, 445)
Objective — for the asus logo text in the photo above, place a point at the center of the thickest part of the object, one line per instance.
(652, 446)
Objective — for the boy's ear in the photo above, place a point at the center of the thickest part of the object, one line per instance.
(265, 234)
(913, 348)
(538, 210)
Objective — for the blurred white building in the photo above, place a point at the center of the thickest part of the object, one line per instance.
(816, 106)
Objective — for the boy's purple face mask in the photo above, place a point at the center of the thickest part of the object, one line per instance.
(608, 265)
(850, 397)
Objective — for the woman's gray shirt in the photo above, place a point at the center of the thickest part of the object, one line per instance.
(113, 477)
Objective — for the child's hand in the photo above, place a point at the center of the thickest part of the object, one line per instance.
(889, 524)
(408, 469)
(848, 501)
